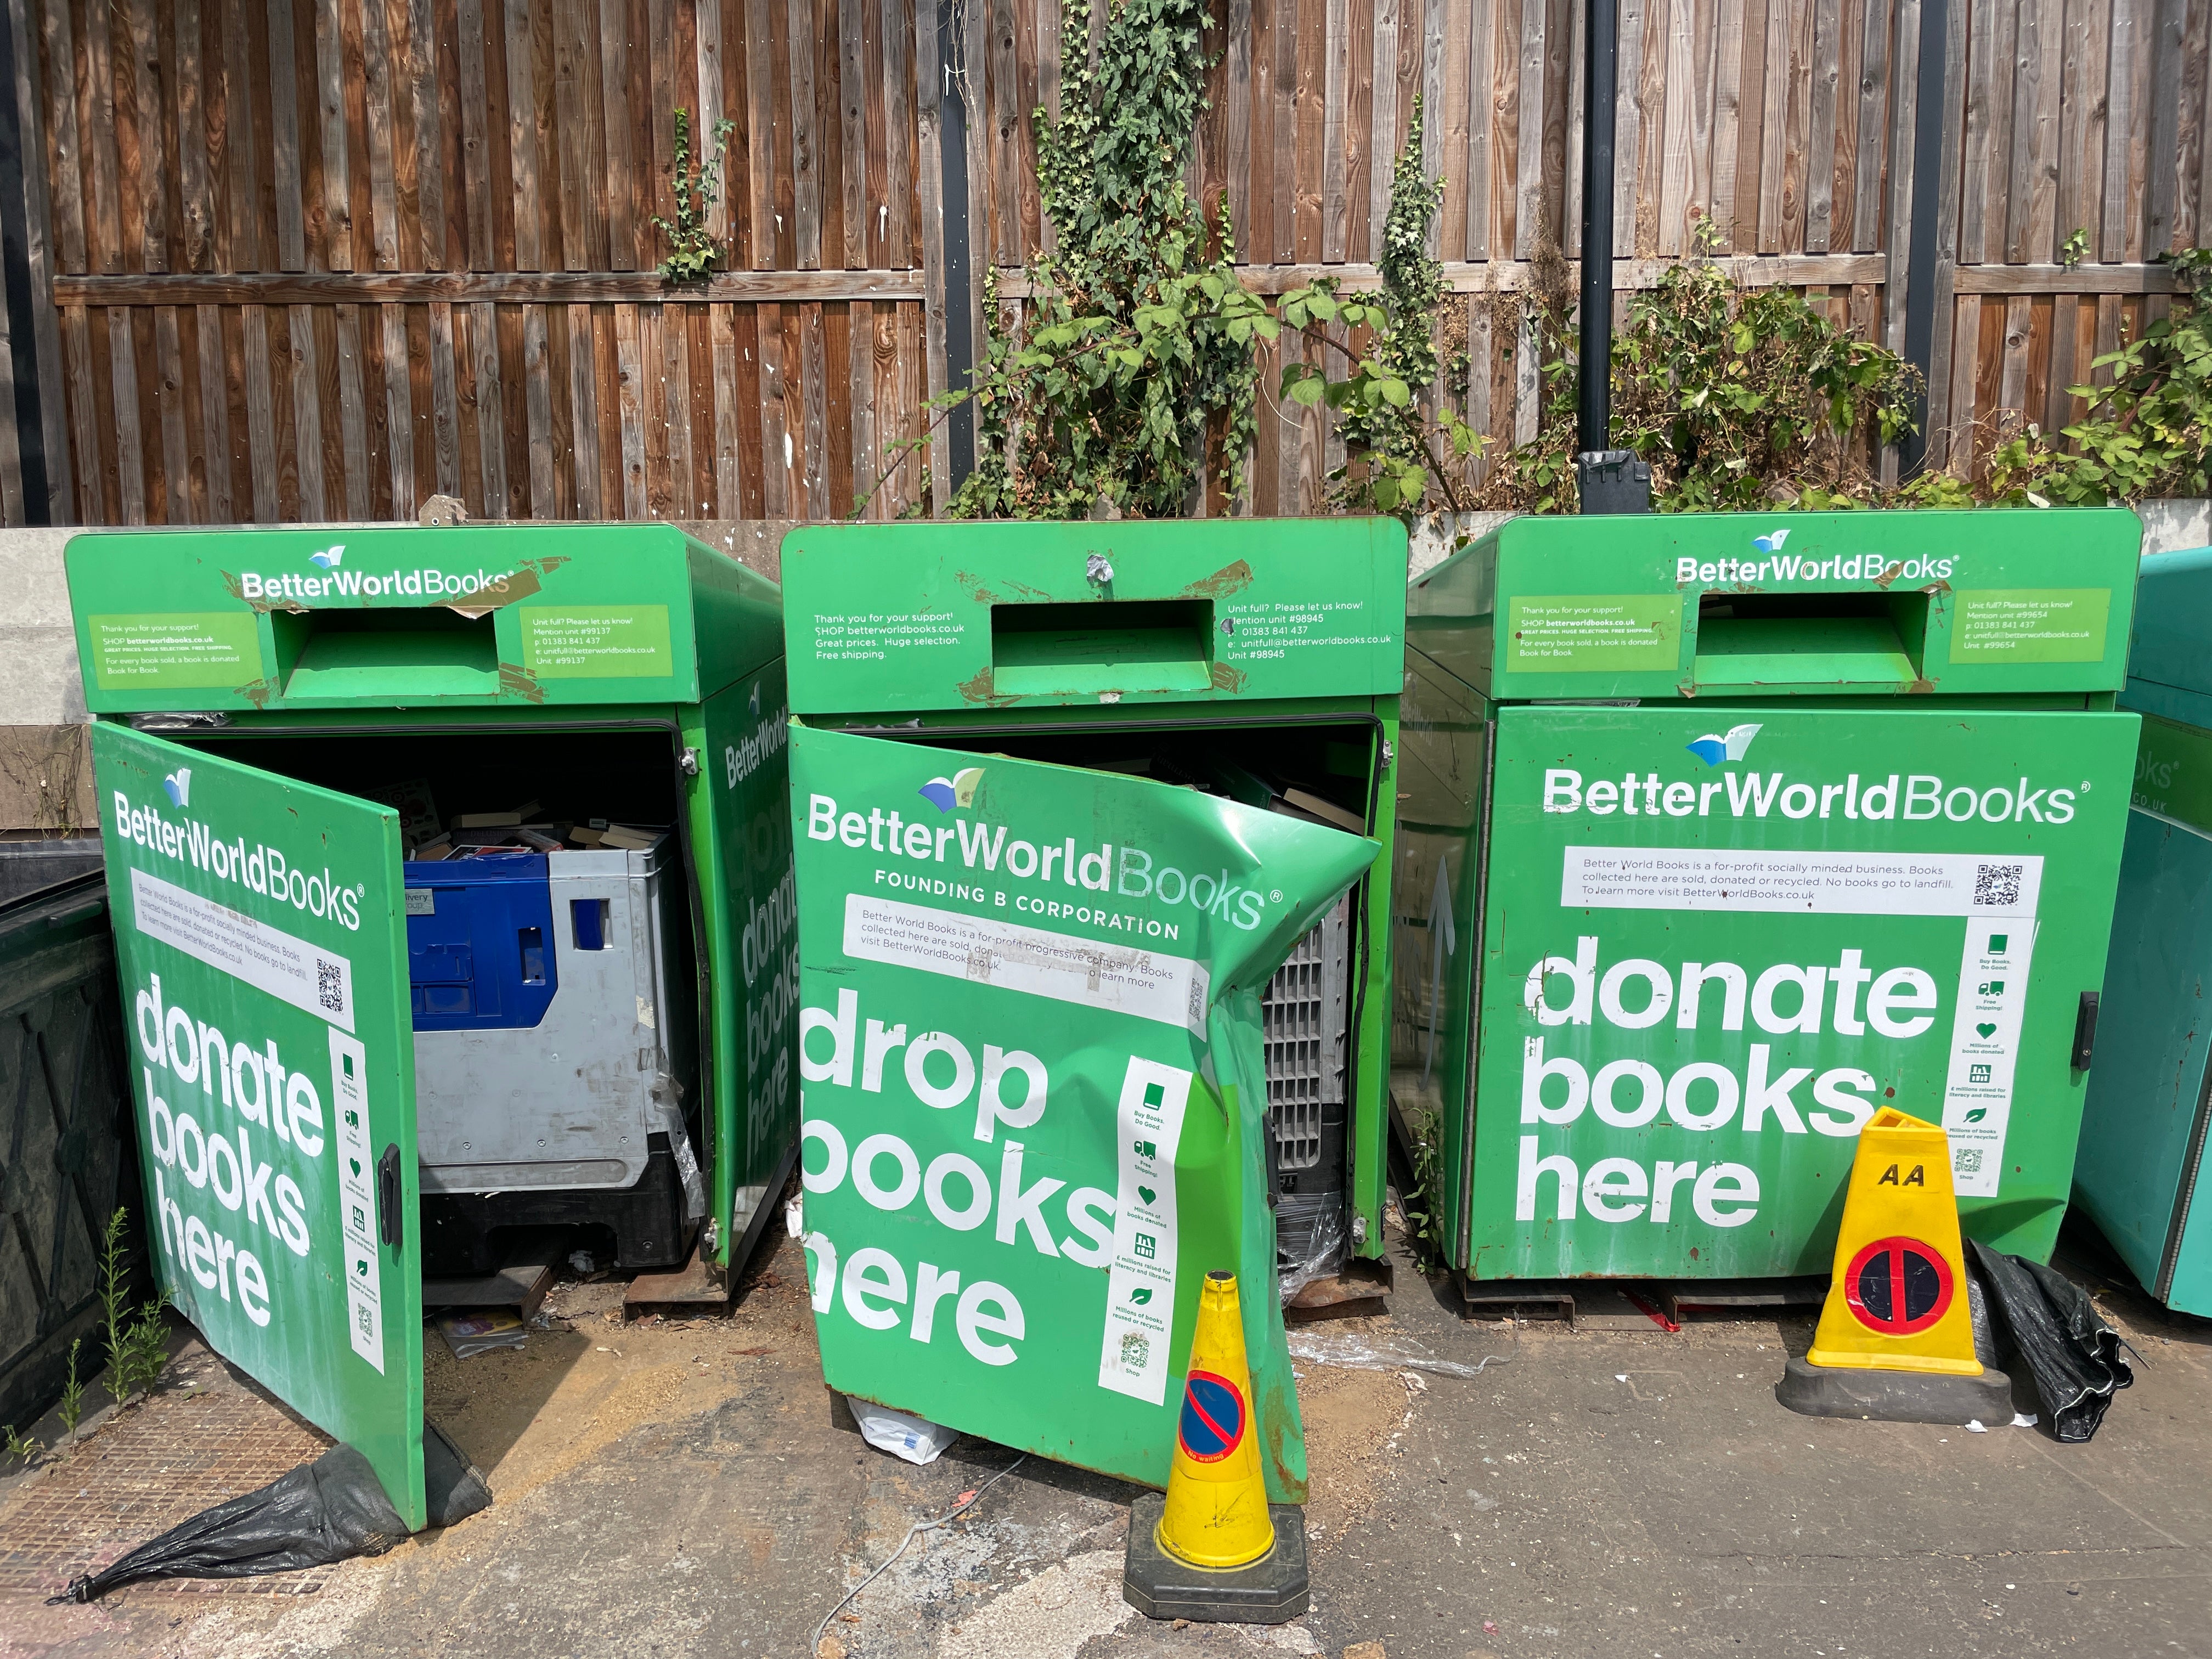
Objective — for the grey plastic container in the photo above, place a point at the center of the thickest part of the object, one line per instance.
(567, 1103)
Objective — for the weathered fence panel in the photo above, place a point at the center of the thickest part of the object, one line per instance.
(320, 258)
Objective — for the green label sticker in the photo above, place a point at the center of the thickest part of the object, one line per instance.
(2030, 624)
(1595, 633)
(180, 651)
(2174, 773)
(597, 642)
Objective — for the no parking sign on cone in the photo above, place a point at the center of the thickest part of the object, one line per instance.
(1213, 1548)
(1896, 1337)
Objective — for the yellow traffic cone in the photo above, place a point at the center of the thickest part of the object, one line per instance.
(1216, 1503)
(1213, 1549)
(1896, 1338)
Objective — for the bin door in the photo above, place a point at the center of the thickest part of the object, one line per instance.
(260, 936)
(1035, 1109)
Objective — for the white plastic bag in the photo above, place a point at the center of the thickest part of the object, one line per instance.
(911, 1438)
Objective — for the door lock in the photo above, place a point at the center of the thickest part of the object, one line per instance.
(389, 1193)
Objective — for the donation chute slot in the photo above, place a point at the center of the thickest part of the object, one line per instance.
(1898, 1301)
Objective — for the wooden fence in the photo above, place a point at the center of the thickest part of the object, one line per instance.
(308, 259)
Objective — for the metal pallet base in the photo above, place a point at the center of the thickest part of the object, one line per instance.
(1554, 1298)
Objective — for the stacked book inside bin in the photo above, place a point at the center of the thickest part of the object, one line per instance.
(523, 829)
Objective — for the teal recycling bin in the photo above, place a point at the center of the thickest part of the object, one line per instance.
(2140, 1174)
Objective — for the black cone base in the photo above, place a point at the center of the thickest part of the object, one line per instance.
(1273, 1590)
(1896, 1396)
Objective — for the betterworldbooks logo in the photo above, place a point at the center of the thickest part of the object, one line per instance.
(958, 790)
(1775, 566)
(1713, 749)
(337, 583)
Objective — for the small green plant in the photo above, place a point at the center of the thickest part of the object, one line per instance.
(137, 1348)
(695, 184)
(72, 1405)
(1740, 399)
(20, 1448)
(1394, 447)
(1422, 1204)
(2075, 248)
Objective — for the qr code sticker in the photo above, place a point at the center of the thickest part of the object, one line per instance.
(329, 984)
(1996, 884)
(1968, 1160)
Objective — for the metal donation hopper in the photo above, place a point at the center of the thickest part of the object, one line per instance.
(1094, 963)
(1723, 834)
(452, 878)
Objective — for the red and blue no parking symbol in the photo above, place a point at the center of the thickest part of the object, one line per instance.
(1212, 1421)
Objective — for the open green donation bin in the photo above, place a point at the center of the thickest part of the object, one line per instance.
(452, 878)
(1717, 833)
(1064, 797)
(2140, 1174)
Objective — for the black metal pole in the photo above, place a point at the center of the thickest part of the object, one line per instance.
(1608, 480)
(1594, 425)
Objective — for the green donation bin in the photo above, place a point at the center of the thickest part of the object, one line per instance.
(452, 878)
(1091, 1003)
(2139, 1175)
(1717, 833)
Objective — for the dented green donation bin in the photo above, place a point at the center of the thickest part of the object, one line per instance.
(1719, 834)
(1094, 963)
(451, 873)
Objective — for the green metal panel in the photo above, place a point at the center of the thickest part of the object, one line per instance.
(262, 944)
(1820, 647)
(993, 616)
(1799, 605)
(478, 616)
(742, 824)
(1711, 957)
(1035, 1099)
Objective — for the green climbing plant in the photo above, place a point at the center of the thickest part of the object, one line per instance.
(696, 183)
(1127, 380)
(1401, 433)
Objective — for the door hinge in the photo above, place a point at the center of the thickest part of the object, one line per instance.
(690, 763)
(1389, 754)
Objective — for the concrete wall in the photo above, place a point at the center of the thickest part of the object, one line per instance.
(45, 767)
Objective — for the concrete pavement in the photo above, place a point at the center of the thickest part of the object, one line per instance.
(1610, 1490)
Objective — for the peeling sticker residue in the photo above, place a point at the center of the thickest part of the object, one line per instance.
(520, 586)
(1228, 677)
(1230, 579)
(518, 682)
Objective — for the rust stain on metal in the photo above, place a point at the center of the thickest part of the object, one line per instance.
(259, 692)
(981, 690)
(236, 586)
(518, 682)
(1889, 576)
(1230, 579)
(1920, 688)
(1278, 1418)
(1228, 677)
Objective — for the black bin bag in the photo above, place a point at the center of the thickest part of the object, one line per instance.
(321, 1512)
(2046, 1325)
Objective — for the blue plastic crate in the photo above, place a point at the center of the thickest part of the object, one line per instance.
(480, 943)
